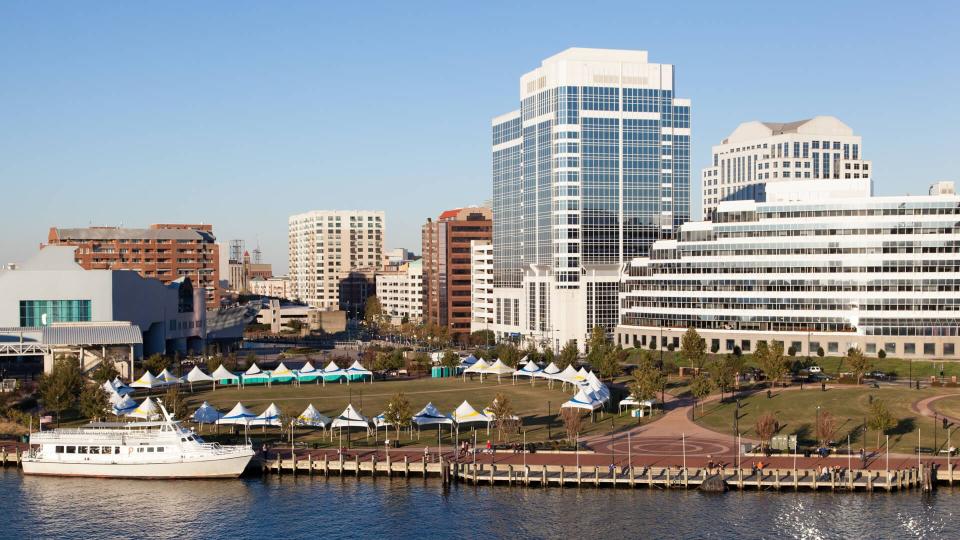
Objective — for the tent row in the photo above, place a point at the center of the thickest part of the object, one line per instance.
(254, 375)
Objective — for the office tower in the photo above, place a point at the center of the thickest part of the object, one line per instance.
(330, 246)
(446, 267)
(591, 169)
(758, 153)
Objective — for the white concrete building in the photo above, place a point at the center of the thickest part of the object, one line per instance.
(401, 292)
(481, 285)
(820, 264)
(326, 245)
(61, 307)
(275, 287)
(759, 153)
(591, 169)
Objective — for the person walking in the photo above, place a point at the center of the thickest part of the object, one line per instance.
(489, 447)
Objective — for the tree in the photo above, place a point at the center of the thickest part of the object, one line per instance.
(59, 389)
(155, 363)
(611, 363)
(251, 358)
(508, 354)
(770, 360)
(482, 337)
(106, 371)
(648, 379)
(572, 419)
(93, 401)
(568, 355)
(503, 416)
(693, 348)
(373, 313)
(173, 401)
(766, 427)
(826, 426)
(548, 355)
(450, 359)
(213, 362)
(700, 387)
(420, 362)
(880, 419)
(398, 412)
(723, 371)
(820, 352)
(597, 346)
(859, 363)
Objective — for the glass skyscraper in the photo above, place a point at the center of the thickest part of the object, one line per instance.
(589, 172)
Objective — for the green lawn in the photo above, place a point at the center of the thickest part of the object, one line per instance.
(949, 406)
(529, 402)
(796, 412)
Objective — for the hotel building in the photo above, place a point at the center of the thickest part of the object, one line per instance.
(166, 252)
(446, 266)
(819, 264)
(400, 292)
(330, 246)
(481, 285)
(591, 170)
(758, 153)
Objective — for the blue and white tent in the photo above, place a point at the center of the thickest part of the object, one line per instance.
(430, 415)
(239, 414)
(357, 372)
(206, 414)
(269, 417)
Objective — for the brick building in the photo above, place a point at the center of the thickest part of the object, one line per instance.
(446, 266)
(162, 251)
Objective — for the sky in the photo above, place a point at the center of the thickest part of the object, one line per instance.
(240, 114)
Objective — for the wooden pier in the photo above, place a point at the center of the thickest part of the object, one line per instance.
(619, 477)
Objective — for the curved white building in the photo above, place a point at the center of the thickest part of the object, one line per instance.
(820, 264)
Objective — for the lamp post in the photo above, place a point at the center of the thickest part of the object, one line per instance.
(549, 420)
(816, 426)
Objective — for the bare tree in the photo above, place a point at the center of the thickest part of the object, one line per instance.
(572, 421)
(826, 426)
(766, 427)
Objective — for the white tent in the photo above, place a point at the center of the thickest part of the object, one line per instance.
(120, 387)
(196, 375)
(124, 406)
(599, 389)
(147, 381)
(224, 374)
(269, 417)
(206, 414)
(380, 421)
(111, 391)
(429, 415)
(333, 372)
(480, 366)
(465, 414)
(147, 410)
(629, 401)
(308, 368)
(254, 369)
(549, 372)
(357, 371)
(282, 372)
(499, 368)
(530, 369)
(167, 377)
(312, 417)
(351, 418)
(237, 415)
(583, 400)
(569, 375)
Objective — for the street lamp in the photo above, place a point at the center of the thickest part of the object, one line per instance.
(816, 427)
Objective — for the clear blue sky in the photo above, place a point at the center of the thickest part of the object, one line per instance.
(242, 113)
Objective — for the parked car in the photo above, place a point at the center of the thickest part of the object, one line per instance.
(879, 375)
(814, 369)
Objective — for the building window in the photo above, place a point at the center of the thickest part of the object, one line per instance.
(909, 348)
(833, 347)
(929, 349)
(745, 345)
(948, 349)
(890, 348)
(45, 312)
(871, 348)
(814, 347)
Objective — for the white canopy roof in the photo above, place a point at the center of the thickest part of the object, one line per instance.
(254, 369)
(357, 369)
(222, 373)
(350, 418)
(269, 417)
(570, 375)
(480, 366)
(528, 369)
(308, 369)
(239, 414)
(206, 414)
(583, 400)
(125, 405)
(168, 377)
(281, 371)
(147, 409)
(551, 370)
(465, 414)
(380, 421)
(147, 381)
(332, 369)
(120, 387)
(499, 368)
(431, 415)
(111, 390)
(197, 375)
(312, 417)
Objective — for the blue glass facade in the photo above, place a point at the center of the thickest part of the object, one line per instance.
(35, 313)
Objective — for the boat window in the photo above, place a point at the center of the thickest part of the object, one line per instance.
(190, 438)
(107, 450)
(71, 449)
(81, 449)
(159, 449)
(150, 449)
(94, 449)
(140, 450)
(58, 450)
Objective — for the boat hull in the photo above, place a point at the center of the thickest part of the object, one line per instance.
(230, 466)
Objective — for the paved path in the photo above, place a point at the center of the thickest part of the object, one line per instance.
(923, 407)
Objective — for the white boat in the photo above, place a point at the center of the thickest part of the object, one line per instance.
(159, 449)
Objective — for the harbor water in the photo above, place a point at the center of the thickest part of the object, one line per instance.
(303, 507)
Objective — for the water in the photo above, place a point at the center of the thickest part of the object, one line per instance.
(346, 508)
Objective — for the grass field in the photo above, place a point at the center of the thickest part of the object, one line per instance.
(949, 406)
(796, 412)
(529, 402)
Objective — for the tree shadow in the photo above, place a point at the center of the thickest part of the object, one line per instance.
(904, 426)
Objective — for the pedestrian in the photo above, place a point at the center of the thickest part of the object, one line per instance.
(489, 447)
(710, 464)
(426, 453)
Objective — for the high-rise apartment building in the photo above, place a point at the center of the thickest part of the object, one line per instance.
(163, 251)
(758, 153)
(400, 291)
(481, 290)
(591, 169)
(446, 266)
(326, 246)
(821, 264)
